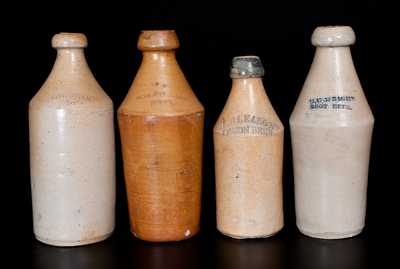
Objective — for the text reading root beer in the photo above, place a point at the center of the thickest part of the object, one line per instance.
(331, 102)
(247, 124)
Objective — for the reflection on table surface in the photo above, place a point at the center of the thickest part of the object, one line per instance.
(184, 254)
(97, 256)
(316, 253)
(216, 251)
(254, 253)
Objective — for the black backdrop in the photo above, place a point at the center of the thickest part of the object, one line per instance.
(210, 35)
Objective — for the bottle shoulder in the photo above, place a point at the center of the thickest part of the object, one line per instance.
(325, 112)
(248, 123)
(71, 94)
(248, 107)
(167, 105)
(326, 101)
(163, 94)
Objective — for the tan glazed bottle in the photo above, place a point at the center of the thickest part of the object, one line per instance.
(248, 144)
(161, 126)
(72, 151)
(331, 128)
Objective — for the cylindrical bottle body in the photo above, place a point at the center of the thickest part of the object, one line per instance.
(249, 184)
(331, 173)
(72, 173)
(162, 167)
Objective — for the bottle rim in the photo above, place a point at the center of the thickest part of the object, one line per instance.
(158, 40)
(333, 36)
(69, 40)
(248, 66)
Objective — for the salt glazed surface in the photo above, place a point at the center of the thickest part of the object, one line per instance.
(72, 153)
(331, 128)
(248, 145)
(161, 127)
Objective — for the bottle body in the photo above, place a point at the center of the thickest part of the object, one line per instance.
(161, 127)
(162, 167)
(331, 129)
(248, 146)
(72, 156)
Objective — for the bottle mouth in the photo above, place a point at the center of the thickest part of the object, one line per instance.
(158, 40)
(69, 40)
(249, 66)
(333, 36)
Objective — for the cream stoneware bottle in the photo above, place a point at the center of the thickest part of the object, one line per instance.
(248, 145)
(72, 151)
(331, 128)
(161, 126)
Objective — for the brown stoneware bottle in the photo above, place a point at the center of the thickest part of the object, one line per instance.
(161, 126)
(248, 144)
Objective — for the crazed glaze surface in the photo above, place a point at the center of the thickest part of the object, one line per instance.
(248, 144)
(72, 152)
(161, 126)
(331, 128)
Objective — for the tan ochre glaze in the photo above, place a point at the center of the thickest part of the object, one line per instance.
(331, 128)
(72, 151)
(248, 144)
(161, 127)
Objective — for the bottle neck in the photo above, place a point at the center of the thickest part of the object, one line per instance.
(247, 84)
(71, 61)
(247, 91)
(248, 95)
(159, 57)
(335, 60)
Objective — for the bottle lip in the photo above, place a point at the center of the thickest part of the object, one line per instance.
(248, 66)
(69, 40)
(158, 40)
(333, 36)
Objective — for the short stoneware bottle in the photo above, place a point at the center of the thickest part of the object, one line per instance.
(161, 127)
(72, 151)
(248, 145)
(331, 128)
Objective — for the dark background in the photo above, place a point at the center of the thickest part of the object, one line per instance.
(210, 33)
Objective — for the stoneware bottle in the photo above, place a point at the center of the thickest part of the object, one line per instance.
(72, 151)
(331, 128)
(248, 144)
(161, 126)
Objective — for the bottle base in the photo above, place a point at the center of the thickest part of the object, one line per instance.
(237, 236)
(165, 239)
(62, 243)
(331, 235)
